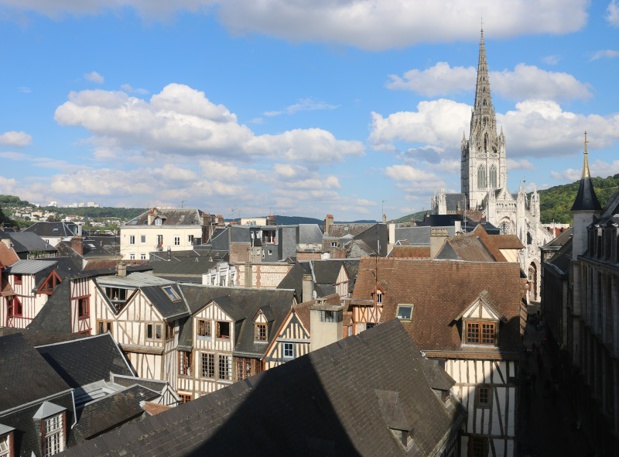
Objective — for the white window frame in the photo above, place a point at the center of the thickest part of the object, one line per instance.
(142, 238)
(403, 317)
(5, 445)
(131, 239)
(132, 256)
(177, 240)
(54, 435)
(288, 350)
(142, 256)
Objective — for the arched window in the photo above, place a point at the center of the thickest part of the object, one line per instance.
(481, 177)
(493, 180)
(485, 142)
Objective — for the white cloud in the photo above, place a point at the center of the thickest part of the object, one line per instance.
(306, 104)
(525, 82)
(606, 54)
(362, 23)
(413, 180)
(13, 138)
(597, 168)
(535, 128)
(132, 90)
(519, 165)
(8, 186)
(438, 123)
(94, 77)
(181, 120)
(612, 13)
(11, 155)
(541, 129)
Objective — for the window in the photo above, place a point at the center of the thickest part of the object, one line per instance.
(478, 446)
(83, 307)
(493, 174)
(159, 240)
(190, 239)
(331, 316)
(171, 293)
(169, 330)
(185, 398)
(53, 430)
(243, 369)
(132, 239)
(288, 350)
(260, 332)
(223, 329)
(142, 238)
(208, 365)
(379, 297)
(104, 327)
(481, 177)
(154, 331)
(405, 312)
(204, 328)
(18, 308)
(333, 244)
(369, 325)
(177, 241)
(18, 280)
(132, 256)
(158, 221)
(184, 363)
(225, 367)
(483, 396)
(5, 445)
(481, 332)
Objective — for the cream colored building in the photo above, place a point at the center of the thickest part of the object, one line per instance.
(165, 230)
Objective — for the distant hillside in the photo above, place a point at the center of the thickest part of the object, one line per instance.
(295, 220)
(102, 212)
(13, 202)
(556, 202)
(418, 216)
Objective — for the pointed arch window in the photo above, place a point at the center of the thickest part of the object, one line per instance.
(493, 177)
(485, 142)
(481, 177)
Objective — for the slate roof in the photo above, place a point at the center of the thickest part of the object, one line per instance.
(25, 242)
(586, 200)
(55, 316)
(561, 261)
(94, 247)
(339, 400)
(324, 273)
(86, 360)
(39, 337)
(561, 239)
(31, 267)
(341, 230)
(112, 411)
(153, 288)
(184, 216)
(455, 285)
(185, 269)
(53, 229)
(25, 375)
(242, 304)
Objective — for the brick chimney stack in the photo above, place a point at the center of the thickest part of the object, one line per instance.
(77, 244)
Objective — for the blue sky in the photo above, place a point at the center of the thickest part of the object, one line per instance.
(349, 107)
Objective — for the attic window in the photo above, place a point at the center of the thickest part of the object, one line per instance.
(481, 332)
(171, 293)
(223, 330)
(5, 444)
(18, 280)
(404, 437)
(158, 221)
(260, 332)
(405, 312)
(331, 316)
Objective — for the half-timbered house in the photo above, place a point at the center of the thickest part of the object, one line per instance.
(143, 313)
(469, 317)
(227, 335)
(294, 337)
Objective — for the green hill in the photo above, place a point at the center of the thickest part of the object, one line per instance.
(556, 202)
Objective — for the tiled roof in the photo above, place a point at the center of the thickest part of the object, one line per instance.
(339, 400)
(30, 267)
(53, 229)
(27, 242)
(410, 252)
(86, 360)
(507, 242)
(440, 290)
(7, 255)
(25, 375)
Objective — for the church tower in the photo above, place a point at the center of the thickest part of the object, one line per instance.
(484, 164)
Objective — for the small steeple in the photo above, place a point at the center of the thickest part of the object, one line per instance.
(586, 200)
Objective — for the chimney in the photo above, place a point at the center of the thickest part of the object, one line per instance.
(271, 220)
(308, 288)
(77, 243)
(121, 270)
(326, 322)
(79, 228)
(151, 216)
(328, 223)
(437, 239)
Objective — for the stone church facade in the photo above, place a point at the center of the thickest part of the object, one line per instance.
(484, 182)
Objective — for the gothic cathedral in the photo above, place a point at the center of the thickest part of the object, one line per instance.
(484, 183)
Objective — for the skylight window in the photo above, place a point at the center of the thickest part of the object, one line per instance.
(171, 293)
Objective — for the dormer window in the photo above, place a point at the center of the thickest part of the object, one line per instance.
(379, 297)
(260, 332)
(158, 221)
(171, 293)
(480, 332)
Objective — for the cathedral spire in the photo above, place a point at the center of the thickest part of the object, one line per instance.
(482, 89)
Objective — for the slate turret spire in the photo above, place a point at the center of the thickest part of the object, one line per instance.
(586, 200)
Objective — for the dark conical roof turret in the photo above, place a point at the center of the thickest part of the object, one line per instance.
(586, 200)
